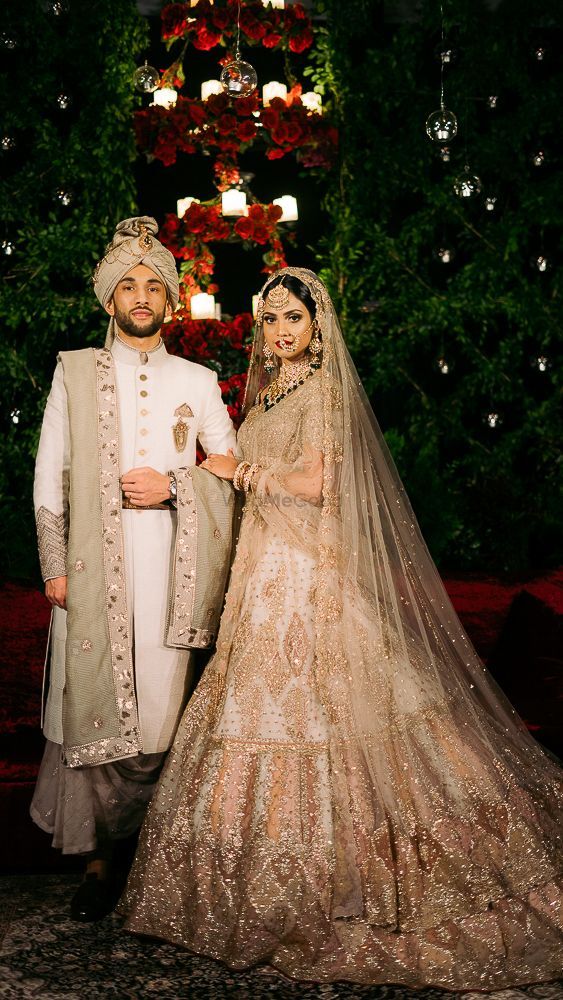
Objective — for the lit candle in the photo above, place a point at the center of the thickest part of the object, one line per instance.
(209, 87)
(166, 97)
(273, 89)
(312, 101)
(288, 205)
(233, 202)
(183, 204)
(255, 305)
(218, 310)
(202, 306)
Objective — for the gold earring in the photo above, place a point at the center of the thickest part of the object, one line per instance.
(315, 347)
(269, 365)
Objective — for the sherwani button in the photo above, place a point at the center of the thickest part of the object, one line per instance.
(144, 412)
(143, 431)
(142, 451)
(143, 392)
(143, 378)
(79, 565)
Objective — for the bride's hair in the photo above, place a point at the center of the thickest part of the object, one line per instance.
(297, 288)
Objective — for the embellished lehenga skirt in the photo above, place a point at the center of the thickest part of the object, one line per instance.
(268, 840)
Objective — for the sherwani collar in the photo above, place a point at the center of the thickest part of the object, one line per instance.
(125, 355)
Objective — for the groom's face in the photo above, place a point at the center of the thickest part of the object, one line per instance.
(139, 303)
(288, 331)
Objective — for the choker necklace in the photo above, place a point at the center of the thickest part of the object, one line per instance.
(290, 376)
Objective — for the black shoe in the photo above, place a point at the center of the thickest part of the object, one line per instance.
(93, 899)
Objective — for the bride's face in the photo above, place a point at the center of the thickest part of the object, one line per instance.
(288, 331)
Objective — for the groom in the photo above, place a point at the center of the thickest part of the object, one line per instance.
(134, 544)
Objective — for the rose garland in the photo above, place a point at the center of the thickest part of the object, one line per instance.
(229, 128)
(188, 239)
(207, 25)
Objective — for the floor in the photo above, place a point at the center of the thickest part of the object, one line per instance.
(45, 955)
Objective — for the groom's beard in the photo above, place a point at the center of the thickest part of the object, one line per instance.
(142, 330)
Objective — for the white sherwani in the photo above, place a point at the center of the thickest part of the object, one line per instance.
(149, 394)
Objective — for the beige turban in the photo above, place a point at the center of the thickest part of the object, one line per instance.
(134, 242)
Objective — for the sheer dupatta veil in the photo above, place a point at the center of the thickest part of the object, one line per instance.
(417, 723)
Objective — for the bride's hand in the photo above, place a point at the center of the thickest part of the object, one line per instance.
(222, 466)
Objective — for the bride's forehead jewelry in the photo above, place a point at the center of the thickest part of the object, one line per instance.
(278, 297)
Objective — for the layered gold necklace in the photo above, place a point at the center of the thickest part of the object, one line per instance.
(290, 376)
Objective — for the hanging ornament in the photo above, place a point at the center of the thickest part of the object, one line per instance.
(490, 204)
(146, 79)
(15, 416)
(467, 185)
(541, 263)
(8, 247)
(443, 365)
(63, 101)
(9, 40)
(63, 196)
(238, 78)
(441, 125)
(492, 102)
(538, 159)
(541, 363)
(540, 53)
(7, 143)
(493, 418)
(445, 153)
(444, 255)
(56, 8)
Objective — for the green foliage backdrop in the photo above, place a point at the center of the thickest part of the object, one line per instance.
(88, 52)
(486, 497)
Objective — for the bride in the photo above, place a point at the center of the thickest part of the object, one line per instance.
(349, 796)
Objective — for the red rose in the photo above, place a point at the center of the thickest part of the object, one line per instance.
(165, 150)
(195, 218)
(270, 41)
(244, 227)
(205, 39)
(245, 106)
(251, 26)
(246, 131)
(275, 212)
(299, 12)
(302, 41)
(269, 118)
(294, 133)
(198, 113)
(256, 213)
(174, 20)
(217, 103)
(280, 133)
(221, 18)
(227, 124)
(276, 153)
(261, 233)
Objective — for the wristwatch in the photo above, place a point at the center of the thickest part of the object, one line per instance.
(173, 487)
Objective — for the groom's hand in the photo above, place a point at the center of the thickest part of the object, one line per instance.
(145, 486)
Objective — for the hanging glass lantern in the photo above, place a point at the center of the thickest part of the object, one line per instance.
(441, 126)
(239, 78)
(146, 79)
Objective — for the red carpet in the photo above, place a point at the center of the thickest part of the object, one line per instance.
(516, 628)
